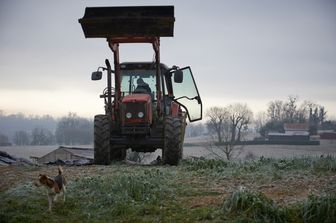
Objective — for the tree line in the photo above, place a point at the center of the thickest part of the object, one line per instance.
(232, 122)
(23, 130)
(227, 126)
(291, 111)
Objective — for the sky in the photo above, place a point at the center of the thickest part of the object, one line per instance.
(240, 51)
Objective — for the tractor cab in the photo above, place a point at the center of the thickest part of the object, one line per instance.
(178, 86)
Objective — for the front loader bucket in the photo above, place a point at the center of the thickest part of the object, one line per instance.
(136, 21)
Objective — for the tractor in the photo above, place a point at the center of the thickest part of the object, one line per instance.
(146, 103)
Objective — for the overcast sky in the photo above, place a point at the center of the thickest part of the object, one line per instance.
(246, 51)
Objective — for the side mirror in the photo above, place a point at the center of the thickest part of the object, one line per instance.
(178, 76)
(97, 75)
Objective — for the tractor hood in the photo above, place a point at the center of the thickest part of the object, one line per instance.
(137, 98)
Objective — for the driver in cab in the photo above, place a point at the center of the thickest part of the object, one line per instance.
(142, 87)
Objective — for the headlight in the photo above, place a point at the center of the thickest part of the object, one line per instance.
(128, 115)
(140, 114)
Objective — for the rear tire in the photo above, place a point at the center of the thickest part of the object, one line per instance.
(101, 140)
(173, 140)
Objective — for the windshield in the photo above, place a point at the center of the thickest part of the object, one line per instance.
(186, 93)
(137, 81)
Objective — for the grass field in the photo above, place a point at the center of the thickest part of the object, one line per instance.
(264, 190)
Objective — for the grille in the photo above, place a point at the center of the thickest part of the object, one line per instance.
(134, 108)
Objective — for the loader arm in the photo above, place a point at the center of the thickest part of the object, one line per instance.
(135, 24)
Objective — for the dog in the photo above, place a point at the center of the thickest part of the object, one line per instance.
(55, 186)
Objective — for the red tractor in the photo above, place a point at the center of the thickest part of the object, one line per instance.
(147, 106)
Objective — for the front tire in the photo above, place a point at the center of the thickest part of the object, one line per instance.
(101, 140)
(173, 140)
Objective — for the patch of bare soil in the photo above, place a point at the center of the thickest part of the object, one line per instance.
(203, 201)
(297, 189)
(287, 190)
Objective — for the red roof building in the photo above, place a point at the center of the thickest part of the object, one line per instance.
(296, 127)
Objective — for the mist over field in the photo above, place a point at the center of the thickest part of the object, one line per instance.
(25, 132)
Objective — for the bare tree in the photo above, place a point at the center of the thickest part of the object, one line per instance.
(193, 130)
(322, 115)
(290, 108)
(227, 124)
(4, 141)
(227, 149)
(260, 120)
(216, 120)
(240, 116)
(275, 110)
(304, 110)
(21, 138)
(42, 136)
(73, 129)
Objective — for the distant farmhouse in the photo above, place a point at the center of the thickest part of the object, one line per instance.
(66, 154)
(293, 132)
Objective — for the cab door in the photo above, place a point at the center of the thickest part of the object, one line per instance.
(186, 93)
